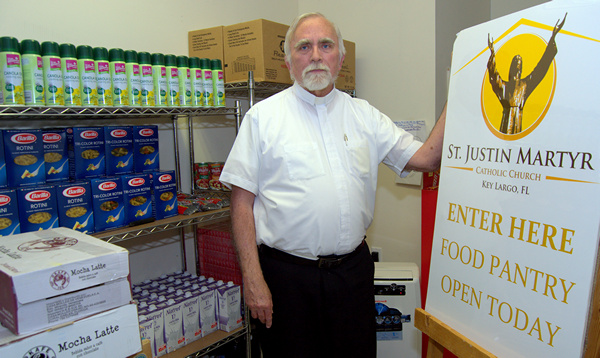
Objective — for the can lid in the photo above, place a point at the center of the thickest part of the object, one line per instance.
(85, 52)
(30, 47)
(9, 44)
(205, 63)
(144, 58)
(194, 62)
(67, 50)
(170, 60)
(215, 64)
(131, 56)
(158, 59)
(50, 48)
(100, 54)
(182, 61)
(116, 54)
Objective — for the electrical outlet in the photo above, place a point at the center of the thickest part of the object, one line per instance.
(376, 253)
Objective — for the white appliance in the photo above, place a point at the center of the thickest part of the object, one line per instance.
(397, 294)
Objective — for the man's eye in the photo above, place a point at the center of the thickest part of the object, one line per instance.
(304, 47)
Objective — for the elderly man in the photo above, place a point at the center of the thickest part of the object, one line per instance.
(303, 172)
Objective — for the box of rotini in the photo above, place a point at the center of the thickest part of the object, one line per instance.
(86, 152)
(137, 192)
(145, 149)
(75, 209)
(109, 208)
(37, 208)
(3, 178)
(24, 156)
(118, 144)
(164, 194)
(9, 213)
(56, 155)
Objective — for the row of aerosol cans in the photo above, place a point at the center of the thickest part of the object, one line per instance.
(49, 74)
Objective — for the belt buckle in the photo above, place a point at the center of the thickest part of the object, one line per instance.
(329, 262)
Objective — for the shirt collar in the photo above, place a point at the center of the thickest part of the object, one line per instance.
(311, 99)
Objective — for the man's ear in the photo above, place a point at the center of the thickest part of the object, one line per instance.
(287, 64)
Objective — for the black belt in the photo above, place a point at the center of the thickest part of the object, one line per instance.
(326, 262)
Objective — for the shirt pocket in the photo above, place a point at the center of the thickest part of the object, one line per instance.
(303, 161)
(359, 158)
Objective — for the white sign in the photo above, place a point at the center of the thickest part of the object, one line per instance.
(518, 212)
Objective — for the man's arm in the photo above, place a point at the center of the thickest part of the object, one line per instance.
(429, 156)
(256, 292)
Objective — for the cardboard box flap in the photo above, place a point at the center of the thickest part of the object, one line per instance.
(111, 333)
(52, 262)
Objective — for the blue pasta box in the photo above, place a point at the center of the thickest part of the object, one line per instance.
(145, 148)
(164, 194)
(9, 213)
(118, 144)
(75, 208)
(107, 195)
(24, 157)
(86, 152)
(137, 190)
(3, 179)
(56, 155)
(37, 208)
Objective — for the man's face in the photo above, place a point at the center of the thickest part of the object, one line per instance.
(315, 58)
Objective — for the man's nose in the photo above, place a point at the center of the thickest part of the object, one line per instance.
(316, 54)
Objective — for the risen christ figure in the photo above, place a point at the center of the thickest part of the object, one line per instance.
(514, 92)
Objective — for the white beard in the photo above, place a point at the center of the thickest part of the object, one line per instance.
(316, 81)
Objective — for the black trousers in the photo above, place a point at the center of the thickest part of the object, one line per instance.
(320, 312)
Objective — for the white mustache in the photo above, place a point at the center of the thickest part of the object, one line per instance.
(315, 66)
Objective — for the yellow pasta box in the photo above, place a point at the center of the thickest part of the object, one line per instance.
(37, 208)
(9, 213)
(24, 156)
(75, 209)
(109, 208)
(86, 152)
(56, 155)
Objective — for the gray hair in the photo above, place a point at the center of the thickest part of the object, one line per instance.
(287, 47)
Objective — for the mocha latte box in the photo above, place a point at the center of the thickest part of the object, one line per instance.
(37, 266)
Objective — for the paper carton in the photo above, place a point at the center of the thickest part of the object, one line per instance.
(206, 43)
(109, 334)
(39, 265)
(255, 46)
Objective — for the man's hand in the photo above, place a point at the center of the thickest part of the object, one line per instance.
(258, 299)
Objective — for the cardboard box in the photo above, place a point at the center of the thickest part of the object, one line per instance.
(24, 157)
(109, 334)
(75, 207)
(43, 314)
(39, 265)
(38, 208)
(146, 351)
(56, 155)
(258, 46)
(347, 77)
(108, 202)
(206, 43)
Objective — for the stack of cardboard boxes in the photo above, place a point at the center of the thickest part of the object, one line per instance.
(257, 46)
(65, 294)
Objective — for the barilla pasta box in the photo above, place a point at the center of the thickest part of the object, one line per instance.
(164, 194)
(112, 333)
(86, 152)
(118, 144)
(109, 209)
(56, 155)
(137, 190)
(3, 178)
(24, 157)
(9, 213)
(145, 148)
(37, 208)
(75, 209)
(41, 265)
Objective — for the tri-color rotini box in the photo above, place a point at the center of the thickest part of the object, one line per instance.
(86, 152)
(164, 194)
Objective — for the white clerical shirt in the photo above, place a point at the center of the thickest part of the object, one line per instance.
(312, 163)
